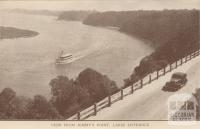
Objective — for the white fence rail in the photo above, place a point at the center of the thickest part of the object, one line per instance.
(92, 110)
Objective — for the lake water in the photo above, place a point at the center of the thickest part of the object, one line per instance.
(27, 64)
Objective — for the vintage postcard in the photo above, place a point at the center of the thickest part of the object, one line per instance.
(99, 64)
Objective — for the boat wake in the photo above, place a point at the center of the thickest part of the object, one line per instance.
(65, 59)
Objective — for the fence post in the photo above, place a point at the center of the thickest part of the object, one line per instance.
(78, 116)
(141, 83)
(150, 78)
(194, 54)
(122, 95)
(164, 70)
(95, 109)
(157, 72)
(170, 69)
(132, 90)
(109, 101)
(185, 59)
(181, 61)
(190, 56)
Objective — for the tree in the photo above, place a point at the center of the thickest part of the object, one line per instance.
(98, 85)
(40, 108)
(6, 98)
(69, 96)
(12, 106)
(63, 96)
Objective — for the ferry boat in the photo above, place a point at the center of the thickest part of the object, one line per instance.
(64, 58)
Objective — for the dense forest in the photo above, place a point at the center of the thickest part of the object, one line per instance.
(11, 33)
(173, 33)
(68, 15)
(68, 96)
(74, 15)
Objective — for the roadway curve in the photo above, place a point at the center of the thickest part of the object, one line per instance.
(150, 103)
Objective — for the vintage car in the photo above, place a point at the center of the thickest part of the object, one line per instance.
(177, 81)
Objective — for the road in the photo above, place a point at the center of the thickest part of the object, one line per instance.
(150, 102)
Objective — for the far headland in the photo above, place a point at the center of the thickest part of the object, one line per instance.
(12, 33)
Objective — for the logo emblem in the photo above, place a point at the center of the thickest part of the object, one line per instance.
(182, 109)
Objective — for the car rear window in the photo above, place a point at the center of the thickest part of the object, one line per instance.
(177, 76)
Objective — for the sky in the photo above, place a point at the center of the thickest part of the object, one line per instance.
(100, 5)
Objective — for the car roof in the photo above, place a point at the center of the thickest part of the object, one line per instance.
(179, 74)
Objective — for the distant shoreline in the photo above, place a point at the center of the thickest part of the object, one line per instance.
(166, 31)
(12, 33)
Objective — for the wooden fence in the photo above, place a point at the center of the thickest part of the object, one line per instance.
(109, 100)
